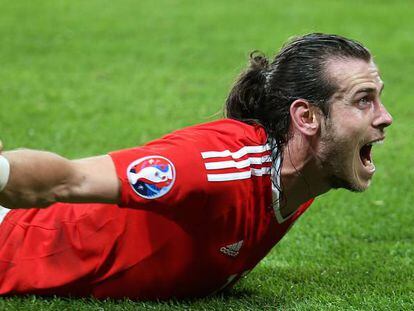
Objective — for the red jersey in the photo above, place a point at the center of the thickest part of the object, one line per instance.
(196, 214)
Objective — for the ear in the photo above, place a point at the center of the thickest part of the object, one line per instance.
(305, 117)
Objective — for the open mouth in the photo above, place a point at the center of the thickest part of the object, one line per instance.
(365, 154)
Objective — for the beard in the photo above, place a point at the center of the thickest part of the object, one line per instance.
(337, 159)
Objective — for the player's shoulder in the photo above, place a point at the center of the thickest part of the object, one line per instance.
(223, 133)
(230, 150)
(231, 127)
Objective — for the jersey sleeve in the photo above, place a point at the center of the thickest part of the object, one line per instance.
(165, 176)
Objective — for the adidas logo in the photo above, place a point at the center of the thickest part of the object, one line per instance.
(232, 249)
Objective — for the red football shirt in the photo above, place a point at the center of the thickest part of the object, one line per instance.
(196, 214)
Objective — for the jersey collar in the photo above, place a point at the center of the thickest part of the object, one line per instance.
(275, 178)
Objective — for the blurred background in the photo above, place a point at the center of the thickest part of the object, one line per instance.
(86, 77)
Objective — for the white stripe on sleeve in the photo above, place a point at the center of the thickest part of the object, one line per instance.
(237, 164)
(237, 154)
(229, 176)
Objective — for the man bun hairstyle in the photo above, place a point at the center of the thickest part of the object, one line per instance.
(245, 100)
(264, 92)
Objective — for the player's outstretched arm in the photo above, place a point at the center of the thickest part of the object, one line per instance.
(39, 178)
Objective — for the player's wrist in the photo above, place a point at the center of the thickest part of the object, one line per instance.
(4, 172)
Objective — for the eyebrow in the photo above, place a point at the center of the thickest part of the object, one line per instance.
(370, 90)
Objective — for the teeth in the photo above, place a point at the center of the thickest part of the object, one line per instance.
(366, 155)
(378, 142)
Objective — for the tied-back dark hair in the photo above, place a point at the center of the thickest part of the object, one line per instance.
(264, 92)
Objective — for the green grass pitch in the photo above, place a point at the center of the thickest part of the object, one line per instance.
(83, 78)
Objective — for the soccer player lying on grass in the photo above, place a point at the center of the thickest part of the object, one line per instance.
(187, 215)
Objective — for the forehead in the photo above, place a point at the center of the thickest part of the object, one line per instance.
(353, 73)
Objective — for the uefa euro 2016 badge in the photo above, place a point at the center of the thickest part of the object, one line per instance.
(151, 177)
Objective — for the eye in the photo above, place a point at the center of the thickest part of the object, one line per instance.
(365, 101)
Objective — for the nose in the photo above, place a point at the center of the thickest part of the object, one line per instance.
(383, 118)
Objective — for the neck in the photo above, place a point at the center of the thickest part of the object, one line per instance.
(301, 177)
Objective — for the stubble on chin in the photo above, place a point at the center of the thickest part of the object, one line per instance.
(336, 159)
